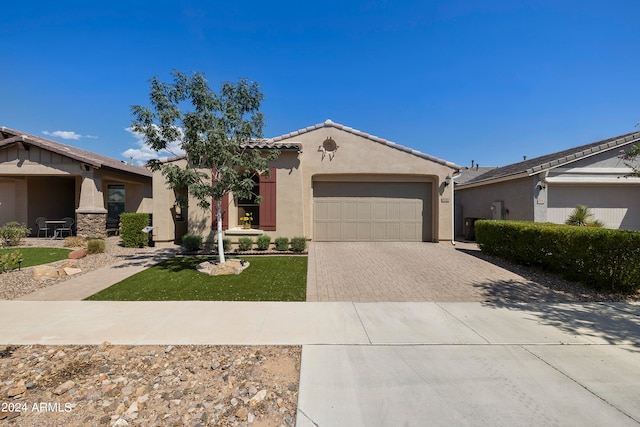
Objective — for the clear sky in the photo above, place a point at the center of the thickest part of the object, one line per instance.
(462, 80)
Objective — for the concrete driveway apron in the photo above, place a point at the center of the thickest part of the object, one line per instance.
(413, 271)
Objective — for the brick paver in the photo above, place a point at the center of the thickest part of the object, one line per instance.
(413, 271)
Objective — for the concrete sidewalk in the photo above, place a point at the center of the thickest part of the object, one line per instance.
(379, 364)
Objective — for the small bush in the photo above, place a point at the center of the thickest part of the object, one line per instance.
(191, 242)
(245, 243)
(10, 261)
(282, 243)
(75, 242)
(298, 244)
(131, 225)
(263, 242)
(12, 233)
(96, 246)
(226, 245)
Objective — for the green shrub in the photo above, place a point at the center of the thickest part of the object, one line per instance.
(191, 242)
(298, 244)
(582, 216)
(12, 233)
(226, 244)
(282, 243)
(245, 243)
(131, 225)
(96, 246)
(10, 261)
(263, 242)
(598, 257)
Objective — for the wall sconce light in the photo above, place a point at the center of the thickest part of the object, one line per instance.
(447, 180)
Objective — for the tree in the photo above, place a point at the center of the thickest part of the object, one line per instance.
(629, 156)
(214, 131)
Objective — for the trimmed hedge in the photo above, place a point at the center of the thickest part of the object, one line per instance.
(131, 225)
(281, 243)
(245, 243)
(598, 257)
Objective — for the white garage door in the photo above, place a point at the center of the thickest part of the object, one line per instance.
(372, 211)
(616, 206)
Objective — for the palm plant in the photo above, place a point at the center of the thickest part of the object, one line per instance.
(582, 216)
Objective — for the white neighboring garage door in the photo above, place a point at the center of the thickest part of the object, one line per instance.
(616, 206)
(372, 211)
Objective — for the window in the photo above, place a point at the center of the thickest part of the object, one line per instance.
(115, 204)
(249, 206)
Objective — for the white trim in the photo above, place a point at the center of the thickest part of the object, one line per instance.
(592, 180)
(595, 171)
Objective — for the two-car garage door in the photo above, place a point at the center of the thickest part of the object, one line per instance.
(372, 211)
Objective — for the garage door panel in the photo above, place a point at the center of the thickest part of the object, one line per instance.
(383, 212)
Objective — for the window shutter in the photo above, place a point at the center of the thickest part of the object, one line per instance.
(268, 205)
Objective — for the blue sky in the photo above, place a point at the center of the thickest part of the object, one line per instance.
(489, 81)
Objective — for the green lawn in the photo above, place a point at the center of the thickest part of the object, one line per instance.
(268, 278)
(37, 256)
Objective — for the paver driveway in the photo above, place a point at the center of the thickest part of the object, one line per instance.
(402, 271)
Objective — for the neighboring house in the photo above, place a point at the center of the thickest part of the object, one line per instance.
(44, 178)
(330, 183)
(548, 188)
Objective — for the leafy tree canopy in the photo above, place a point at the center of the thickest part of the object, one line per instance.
(213, 130)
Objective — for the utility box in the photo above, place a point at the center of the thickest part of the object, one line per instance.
(497, 210)
(470, 228)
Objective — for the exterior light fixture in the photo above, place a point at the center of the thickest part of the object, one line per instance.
(447, 180)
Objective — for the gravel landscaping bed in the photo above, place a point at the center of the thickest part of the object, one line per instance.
(140, 385)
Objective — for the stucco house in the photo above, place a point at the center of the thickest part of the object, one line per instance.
(548, 188)
(330, 183)
(44, 178)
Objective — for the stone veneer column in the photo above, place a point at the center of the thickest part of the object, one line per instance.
(91, 216)
(91, 224)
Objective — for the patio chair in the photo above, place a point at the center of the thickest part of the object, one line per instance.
(41, 222)
(66, 228)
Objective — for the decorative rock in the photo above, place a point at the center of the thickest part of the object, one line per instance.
(15, 391)
(242, 413)
(78, 253)
(41, 272)
(232, 266)
(69, 271)
(63, 388)
(259, 397)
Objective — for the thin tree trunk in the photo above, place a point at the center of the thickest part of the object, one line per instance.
(219, 221)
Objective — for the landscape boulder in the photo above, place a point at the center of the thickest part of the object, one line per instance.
(78, 253)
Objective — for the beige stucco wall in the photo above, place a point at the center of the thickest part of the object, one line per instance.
(518, 195)
(356, 159)
(55, 186)
(361, 159)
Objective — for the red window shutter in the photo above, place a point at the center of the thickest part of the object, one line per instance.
(268, 205)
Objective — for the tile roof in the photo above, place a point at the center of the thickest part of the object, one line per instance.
(550, 161)
(11, 136)
(469, 173)
(329, 123)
